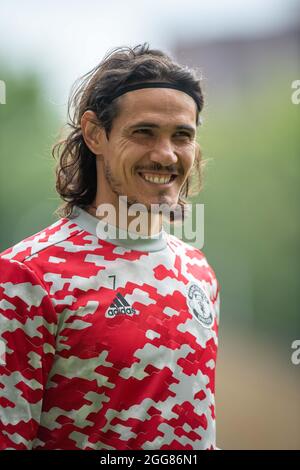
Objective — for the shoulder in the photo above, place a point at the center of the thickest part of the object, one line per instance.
(197, 265)
(23, 265)
(192, 254)
(41, 241)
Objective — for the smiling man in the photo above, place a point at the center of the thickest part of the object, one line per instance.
(109, 341)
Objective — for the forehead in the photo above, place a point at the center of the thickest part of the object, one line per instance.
(162, 104)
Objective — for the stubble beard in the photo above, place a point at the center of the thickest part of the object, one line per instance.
(116, 188)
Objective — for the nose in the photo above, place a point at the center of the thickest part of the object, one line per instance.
(163, 152)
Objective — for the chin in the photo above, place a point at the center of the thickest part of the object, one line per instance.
(157, 200)
(162, 201)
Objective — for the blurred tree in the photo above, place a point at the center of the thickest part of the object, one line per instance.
(27, 124)
(252, 224)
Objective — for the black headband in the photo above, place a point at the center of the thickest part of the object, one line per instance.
(138, 86)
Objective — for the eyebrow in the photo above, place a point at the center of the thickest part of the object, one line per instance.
(156, 126)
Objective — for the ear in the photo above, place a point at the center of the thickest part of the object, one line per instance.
(93, 134)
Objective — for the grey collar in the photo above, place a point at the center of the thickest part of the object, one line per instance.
(108, 233)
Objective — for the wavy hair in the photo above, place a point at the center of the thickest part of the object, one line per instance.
(76, 174)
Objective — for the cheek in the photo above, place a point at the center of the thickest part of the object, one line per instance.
(188, 159)
(125, 160)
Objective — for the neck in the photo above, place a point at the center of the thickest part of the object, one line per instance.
(128, 219)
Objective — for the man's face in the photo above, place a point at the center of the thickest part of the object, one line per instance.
(151, 147)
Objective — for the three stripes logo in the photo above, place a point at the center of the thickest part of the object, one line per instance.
(120, 306)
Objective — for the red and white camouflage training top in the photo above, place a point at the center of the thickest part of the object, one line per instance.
(106, 344)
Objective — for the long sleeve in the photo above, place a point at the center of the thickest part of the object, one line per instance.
(27, 346)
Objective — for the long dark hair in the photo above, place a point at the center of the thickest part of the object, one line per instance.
(76, 175)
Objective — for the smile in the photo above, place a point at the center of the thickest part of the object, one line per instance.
(160, 179)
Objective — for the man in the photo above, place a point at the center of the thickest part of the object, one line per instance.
(110, 341)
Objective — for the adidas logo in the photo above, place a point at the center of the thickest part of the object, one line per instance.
(120, 306)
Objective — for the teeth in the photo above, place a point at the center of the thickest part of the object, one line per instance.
(157, 179)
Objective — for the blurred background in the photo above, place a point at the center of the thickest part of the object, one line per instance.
(248, 55)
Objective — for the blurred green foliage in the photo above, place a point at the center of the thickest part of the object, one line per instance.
(28, 124)
(251, 194)
(251, 197)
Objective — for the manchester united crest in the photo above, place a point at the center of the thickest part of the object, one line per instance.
(200, 305)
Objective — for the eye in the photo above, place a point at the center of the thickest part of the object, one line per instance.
(183, 135)
(143, 131)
